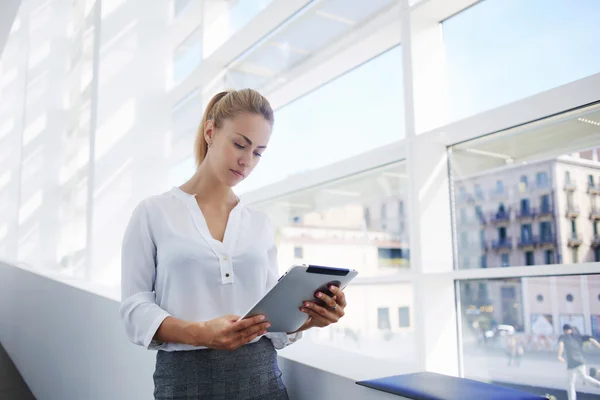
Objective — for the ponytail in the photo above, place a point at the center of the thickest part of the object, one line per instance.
(229, 104)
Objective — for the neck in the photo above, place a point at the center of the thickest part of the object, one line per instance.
(208, 188)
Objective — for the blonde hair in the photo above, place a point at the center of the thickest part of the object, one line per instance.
(226, 105)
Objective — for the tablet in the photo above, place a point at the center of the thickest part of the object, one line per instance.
(281, 305)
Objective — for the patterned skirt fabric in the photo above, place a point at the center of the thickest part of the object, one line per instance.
(248, 373)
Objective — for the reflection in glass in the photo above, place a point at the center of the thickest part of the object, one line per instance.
(501, 316)
(534, 212)
(356, 222)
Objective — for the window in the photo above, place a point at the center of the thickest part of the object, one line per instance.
(567, 177)
(187, 56)
(483, 261)
(526, 235)
(298, 252)
(573, 228)
(478, 192)
(570, 200)
(523, 184)
(463, 215)
(389, 257)
(479, 48)
(479, 214)
(546, 231)
(549, 257)
(529, 258)
(179, 6)
(504, 260)
(574, 255)
(501, 234)
(591, 180)
(499, 187)
(525, 206)
(401, 208)
(525, 306)
(294, 135)
(595, 228)
(541, 180)
(383, 213)
(367, 217)
(404, 317)
(597, 254)
(545, 203)
(383, 318)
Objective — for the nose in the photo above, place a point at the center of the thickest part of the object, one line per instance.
(245, 159)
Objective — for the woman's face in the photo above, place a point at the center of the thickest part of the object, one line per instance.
(237, 146)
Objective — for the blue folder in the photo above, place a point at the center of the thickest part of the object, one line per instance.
(431, 386)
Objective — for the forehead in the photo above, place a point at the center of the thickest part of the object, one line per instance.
(254, 126)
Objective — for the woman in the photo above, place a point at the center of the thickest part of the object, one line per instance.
(195, 257)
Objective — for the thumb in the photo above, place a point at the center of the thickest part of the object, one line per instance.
(232, 317)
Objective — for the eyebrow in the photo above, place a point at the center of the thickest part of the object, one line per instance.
(250, 141)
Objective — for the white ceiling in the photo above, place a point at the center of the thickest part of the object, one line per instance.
(8, 12)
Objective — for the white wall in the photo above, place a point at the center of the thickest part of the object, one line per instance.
(69, 343)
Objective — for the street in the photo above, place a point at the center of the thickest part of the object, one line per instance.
(536, 369)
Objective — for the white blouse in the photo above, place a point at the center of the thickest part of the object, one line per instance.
(172, 266)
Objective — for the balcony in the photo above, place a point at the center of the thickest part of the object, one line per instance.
(593, 188)
(570, 186)
(529, 213)
(502, 244)
(546, 211)
(528, 242)
(595, 214)
(595, 241)
(575, 240)
(500, 217)
(572, 211)
(547, 240)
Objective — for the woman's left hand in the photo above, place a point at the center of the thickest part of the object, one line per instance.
(320, 317)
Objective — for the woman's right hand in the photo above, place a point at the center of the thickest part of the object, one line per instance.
(226, 333)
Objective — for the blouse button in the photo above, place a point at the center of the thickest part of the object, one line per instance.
(226, 275)
(225, 258)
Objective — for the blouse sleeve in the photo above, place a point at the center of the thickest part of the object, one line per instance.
(279, 339)
(139, 311)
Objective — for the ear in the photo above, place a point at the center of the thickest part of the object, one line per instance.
(209, 129)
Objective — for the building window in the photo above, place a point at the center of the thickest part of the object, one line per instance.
(597, 254)
(367, 214)
(529, 258)
(389, 257)
(545, 203)
(499, 187)
(401, 208)
(549, 257)
(575, 255)
(526, 234)
(466, 262)
(595, 226)
(540, 298)
(463, 215)
(483, 261)
(502, 234)
(504, 260)
(573, 228)
(383, 211)
(523, 184)
(546, 231)
(404, 317)
(567, 177)
(525, 206)
(298, 252)
(570, 298)
(591, 180)
(383, 318)
(478, 192)
(541, 179)
(570, 200)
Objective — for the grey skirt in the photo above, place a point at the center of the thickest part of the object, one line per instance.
(248, 373)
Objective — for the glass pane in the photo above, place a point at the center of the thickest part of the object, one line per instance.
(304, 140)
(187, 56)
(496, 50)
(551, 219)
(511, 329)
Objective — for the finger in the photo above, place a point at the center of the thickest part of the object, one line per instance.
(317, 318)
(327, 314)
(339, 294)
(248, 322)
(255, 328)
(328, 300)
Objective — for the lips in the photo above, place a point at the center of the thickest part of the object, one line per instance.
(237, 173)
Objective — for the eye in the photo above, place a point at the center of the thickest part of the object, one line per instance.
(258, 154)
(239, 146)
